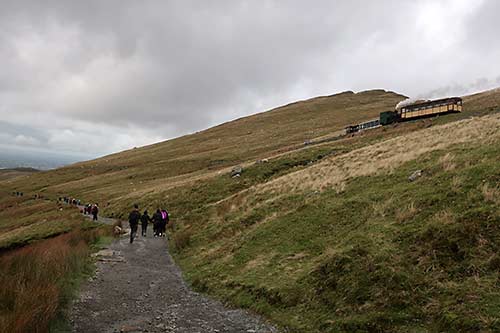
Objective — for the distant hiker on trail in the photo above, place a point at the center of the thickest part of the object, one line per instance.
(157, 220)
(94, 211)
(145, 219)
(133, 219)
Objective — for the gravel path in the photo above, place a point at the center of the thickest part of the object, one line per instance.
(138, 288)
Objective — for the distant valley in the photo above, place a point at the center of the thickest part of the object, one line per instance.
(38, 160)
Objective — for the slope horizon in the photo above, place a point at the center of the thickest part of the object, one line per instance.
(296, 102)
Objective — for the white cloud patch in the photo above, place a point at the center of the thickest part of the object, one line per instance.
(25, 140)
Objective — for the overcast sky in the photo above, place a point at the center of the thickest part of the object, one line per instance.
(95, 77)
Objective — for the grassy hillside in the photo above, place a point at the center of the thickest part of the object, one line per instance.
(163, 165)
(350, 244)
(6, 174)
(154, 170)
(322, 237)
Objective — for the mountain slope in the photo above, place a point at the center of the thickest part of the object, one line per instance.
(329, 236)
(6, 174)
(350, 244)
(245, 139)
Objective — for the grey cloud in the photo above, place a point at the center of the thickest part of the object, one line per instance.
(157, 69)
(23, 133)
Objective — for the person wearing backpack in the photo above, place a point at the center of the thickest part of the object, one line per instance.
(133, 220)
(145, 219)
(157, 221)
(164, 221)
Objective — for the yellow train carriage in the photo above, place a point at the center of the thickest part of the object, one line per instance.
(429, 108)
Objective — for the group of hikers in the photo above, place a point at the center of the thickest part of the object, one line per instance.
(91, 209)
(88, 209)
(159, 219)
(70, 201)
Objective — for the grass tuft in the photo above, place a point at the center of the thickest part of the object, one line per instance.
(406, 213)
(490, 193)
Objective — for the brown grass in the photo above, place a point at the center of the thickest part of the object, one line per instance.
(259, 261)
(34, 280)
(182, 238)
(389, 154)
(405, 213)
(491, 193)
(445, 217)
(447, 162)
(456, 183)
(374, 159)
(381, 208)
(9, 174)
(172, 226)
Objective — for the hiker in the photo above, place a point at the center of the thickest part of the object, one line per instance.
(133, 220)
(94, 211)
(144, 223)
(164, 221)
(157, 219)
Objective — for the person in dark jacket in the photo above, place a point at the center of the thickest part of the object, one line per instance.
(133, 219)
(95, 211)
(145, 219)
(157, 220)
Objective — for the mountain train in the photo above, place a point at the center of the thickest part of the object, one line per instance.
(412, 111)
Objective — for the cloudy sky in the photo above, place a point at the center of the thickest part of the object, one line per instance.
(95, 77)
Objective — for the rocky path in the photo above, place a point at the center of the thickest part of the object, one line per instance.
(138, 288)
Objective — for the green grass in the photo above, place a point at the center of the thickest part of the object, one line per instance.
(384, 255)
(24, 220)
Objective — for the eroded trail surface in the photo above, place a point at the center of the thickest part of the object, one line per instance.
(138, 288)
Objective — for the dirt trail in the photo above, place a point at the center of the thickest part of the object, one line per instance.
(138, 288)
